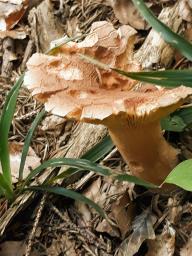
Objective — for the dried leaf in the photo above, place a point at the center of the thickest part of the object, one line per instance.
(93, 192)
(187, 249)
(15, 34)
(105, 227)
(11, 12)
(73, 29)
(188, 33)
(185, 10)
(115, 198)
(32, 160)
(190, 3)
(164, 244)
(62, 244)
(52, 123)
(126, 13)
(14, 248)
(142, 230)
(122, 211)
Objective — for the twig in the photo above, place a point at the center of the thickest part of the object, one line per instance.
(33, 231)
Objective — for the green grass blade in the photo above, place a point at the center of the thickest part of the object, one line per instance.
(133, 179)
(167, 78)
(94, 154)
(167, 34)
(1, 191)
(185, 114)
(28, 138)
(84, 165)
(54, 49)
(5, 188)
(70, 194)
(75, 163)
(119, 177)
(99, 150)
(5, 124)
(181, 175)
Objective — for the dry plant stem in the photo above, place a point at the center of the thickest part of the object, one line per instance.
(32, 234)
(144, 148)
(8, 56)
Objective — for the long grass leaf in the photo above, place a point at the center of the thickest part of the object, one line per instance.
(99, 150)
(167, 34)
(75, 163)
(167, 78)
(94, 154)
(5, 124)
(84, 165)
(70, 194)
(28, 138)
(5, 188)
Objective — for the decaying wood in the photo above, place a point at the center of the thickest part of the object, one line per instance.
(82, 138)
(155, 50)
(8, 57)
(28, 52)
(45, 26)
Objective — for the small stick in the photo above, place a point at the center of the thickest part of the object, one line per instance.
(33, 231)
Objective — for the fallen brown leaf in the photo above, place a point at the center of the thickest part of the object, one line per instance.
(164, 244)
(185, 10)
(113, 197)
(190, 3)
(52, 122)
(11, 11)
(14, 248)
(73, 29)
(187, 249)
(142, 230)
(122, 211)
(15, 34)
(60, 245)
(188, 33)
(126, 13)
(32, 160)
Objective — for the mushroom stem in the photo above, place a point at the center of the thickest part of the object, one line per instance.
(144, 148)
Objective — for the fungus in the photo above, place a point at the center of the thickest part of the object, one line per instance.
(73, 88)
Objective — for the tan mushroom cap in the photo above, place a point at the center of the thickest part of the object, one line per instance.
(66, 71)
(103, 106)
(73, 88)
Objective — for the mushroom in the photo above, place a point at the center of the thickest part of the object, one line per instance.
(73, 88)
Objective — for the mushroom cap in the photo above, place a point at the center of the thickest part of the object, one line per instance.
(103, 106)
(66, 71)
(73, 88)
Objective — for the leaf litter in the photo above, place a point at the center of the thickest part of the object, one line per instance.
(143, 218)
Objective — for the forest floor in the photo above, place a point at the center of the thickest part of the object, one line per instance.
(148, 223)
